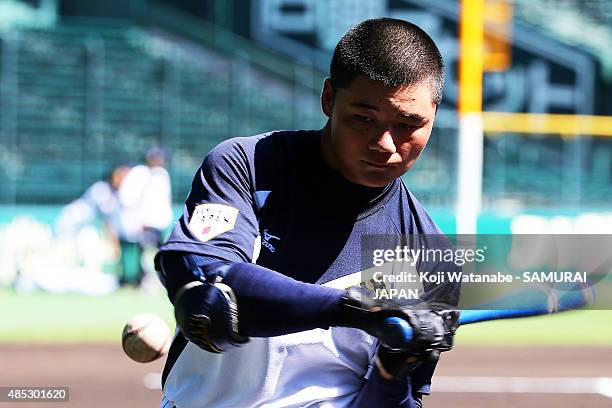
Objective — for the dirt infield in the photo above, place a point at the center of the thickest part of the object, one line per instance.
(532, 362)
(101, 376)
(98, 375)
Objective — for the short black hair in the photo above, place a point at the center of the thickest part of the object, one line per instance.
(389, 50)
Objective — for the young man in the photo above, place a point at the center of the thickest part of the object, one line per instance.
(146, 211)
(271, 237)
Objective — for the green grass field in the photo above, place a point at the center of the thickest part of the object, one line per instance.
(49, 318)
(588, 327)
(52, 318)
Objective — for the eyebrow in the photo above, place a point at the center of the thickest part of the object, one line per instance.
(413, 117)
(408, 116)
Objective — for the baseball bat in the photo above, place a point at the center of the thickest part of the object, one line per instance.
(397, 332)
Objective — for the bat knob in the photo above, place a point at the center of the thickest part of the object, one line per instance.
(395, 332)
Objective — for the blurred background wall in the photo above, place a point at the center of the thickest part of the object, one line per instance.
(87, 86)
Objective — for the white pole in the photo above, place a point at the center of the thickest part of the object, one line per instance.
(469, 175)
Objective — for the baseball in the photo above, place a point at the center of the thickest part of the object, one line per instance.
(146, 337)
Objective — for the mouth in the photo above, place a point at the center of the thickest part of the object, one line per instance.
(379, 165)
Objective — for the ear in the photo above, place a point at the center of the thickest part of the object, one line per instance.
(327, 98)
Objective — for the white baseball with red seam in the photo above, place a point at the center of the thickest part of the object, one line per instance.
(146, 337)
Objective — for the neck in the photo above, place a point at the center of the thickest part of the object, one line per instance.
(330, 158)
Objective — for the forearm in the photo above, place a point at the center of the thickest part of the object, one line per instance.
(269, 303)
(403, 392)
(220, 301)
(378, 392)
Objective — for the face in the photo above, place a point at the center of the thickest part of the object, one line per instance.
(375, 133)
(118, 175)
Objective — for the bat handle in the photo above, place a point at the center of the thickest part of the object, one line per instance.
(395, 332)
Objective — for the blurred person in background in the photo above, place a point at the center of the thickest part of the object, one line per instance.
(100, 200)
(85, 243)
(146, 211)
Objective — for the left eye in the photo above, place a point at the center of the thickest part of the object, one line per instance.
(406, 126)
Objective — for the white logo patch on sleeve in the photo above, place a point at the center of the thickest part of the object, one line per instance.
(211, 220)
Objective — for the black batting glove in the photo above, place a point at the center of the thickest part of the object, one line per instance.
(433, 333)
(433, 330)
(360, 309)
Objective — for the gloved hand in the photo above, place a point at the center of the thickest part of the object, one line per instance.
(433, 333)
(207, 315)
(433, 330)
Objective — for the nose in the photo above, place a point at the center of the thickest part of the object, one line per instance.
(384, 143)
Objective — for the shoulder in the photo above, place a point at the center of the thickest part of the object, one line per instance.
(236, 148)
(99, 187)
(239, 148)
(423, 222)
(98, 191)
(231, 158)
(136, 175)
(139, 168)
(267, 149)
(269, 141)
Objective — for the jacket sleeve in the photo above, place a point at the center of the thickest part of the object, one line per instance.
(219, 219)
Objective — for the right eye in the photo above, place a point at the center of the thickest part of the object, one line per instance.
(363, 118)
